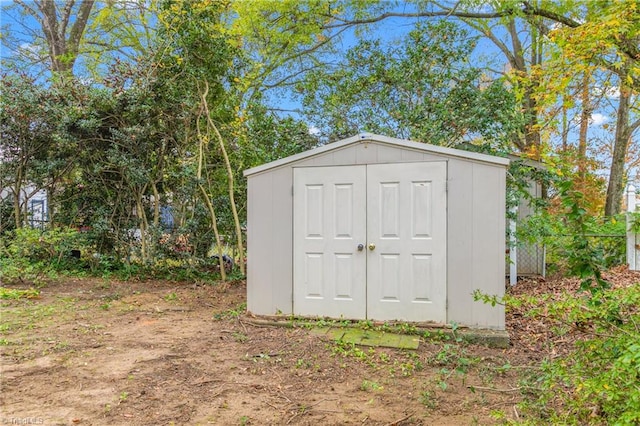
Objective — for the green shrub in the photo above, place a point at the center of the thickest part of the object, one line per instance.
(50, 245)
(33, 255)
(599, 381)
(15, 294)
(576, 242)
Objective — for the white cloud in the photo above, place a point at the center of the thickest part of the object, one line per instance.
(598, 119)
(86, 81)
(30, 50)
(28, 47)
(612, 92)
(555, 26)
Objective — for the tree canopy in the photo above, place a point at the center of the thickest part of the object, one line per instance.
(164, 103)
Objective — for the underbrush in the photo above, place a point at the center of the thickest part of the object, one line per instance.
(598, 381)
(14, 294)
(33, 257)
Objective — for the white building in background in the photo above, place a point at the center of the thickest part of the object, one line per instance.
(34, 200)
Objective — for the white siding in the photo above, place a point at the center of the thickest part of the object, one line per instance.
(282, 246)
(259, 233)
(460, 247)
(269, 243)
(488, 243)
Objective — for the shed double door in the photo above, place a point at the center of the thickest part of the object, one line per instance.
(370, 241)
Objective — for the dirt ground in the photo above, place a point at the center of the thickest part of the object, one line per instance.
(100, 352)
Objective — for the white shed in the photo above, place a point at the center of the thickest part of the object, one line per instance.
(372, 227)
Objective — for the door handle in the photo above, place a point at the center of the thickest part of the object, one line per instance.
(372, 246)
(360, 247)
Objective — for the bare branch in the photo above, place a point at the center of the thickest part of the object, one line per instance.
(78, 27)
(530, 10)
(499, 44)
(442, 13)
(66, 14)
(634, 126)
(285, 80)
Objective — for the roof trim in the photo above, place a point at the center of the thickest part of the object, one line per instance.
(528, 161)
(367, 137)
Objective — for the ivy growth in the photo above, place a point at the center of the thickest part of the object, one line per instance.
(634, 222)
(585, 261)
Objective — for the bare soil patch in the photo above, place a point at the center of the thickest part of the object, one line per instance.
(99, 352)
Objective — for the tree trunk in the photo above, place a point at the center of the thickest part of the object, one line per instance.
(232, 201)
(63, 49)
(17, 212)
(205, 196)
(532, 139)
(156, 204)
(584, 126)
(615, 187)
(531, 129)
(17, 189)
(527, 139)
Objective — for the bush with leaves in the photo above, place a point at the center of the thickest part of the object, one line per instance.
(32, 255)
(584, 260)
(598, 382)
(577, 242)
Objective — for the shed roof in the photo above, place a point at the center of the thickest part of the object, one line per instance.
(385, 140)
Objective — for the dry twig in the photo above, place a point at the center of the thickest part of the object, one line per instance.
(397, 422)
(494, 390)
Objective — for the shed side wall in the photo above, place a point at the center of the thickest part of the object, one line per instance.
(460, 250)
(269, 243)
(476, 242)
(259, 283)
(489, 226)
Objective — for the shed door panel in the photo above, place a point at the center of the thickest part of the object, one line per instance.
(407, 224)
(329, 223)
(398, 212)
